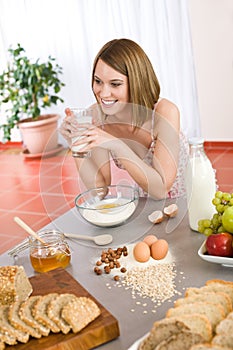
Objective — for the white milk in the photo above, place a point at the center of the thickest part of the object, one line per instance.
(81, 120)
(201, 188)
(113, 217)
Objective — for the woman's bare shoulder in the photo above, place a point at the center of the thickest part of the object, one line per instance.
(168, 110)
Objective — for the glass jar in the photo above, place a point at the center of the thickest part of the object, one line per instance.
(53, 254)
(200, 184)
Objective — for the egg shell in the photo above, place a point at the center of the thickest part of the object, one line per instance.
(141, 252)
(159, 249)
(150, 239)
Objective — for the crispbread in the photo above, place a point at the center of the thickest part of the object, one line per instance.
(14, 284)
(162, 330)
(223, 340)
(25, 313)
(216, 298)
(217, 281)
(54, 310)
(230, 315)
(206, 346)
(79, 312)
(7, 338)
(212, 286)
(39, 311)
(225, 327)
(182, 340)
(213, 312)
(8, 329)
(198, 323)
(18, 323)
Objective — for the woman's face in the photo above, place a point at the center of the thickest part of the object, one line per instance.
(110, 88)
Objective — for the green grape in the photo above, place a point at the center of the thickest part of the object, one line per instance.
(220, 219)
(201, 227)
(215, 222)
(231, 201)
(218, 194)
(206, 223)
(208, 231)
(220, 208)
(216, 201)
(221, 229)
(226, 196)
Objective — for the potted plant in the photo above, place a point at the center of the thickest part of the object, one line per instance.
(25, 88)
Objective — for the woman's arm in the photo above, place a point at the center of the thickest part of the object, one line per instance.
(167, 147)
(95, 170)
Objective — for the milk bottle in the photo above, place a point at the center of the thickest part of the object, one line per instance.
(200, 184)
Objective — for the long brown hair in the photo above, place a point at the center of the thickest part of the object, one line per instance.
(128, 58)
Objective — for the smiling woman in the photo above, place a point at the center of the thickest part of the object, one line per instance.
(135, 127)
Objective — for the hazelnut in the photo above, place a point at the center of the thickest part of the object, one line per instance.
(107, 269)
(111, 265)
(97, 271)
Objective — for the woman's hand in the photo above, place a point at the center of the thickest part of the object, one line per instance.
(95, 136)
(70, 127)
(66, 127)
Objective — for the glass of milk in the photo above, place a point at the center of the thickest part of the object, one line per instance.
(82, 116)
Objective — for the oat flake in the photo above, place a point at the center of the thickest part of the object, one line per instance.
(155, 282)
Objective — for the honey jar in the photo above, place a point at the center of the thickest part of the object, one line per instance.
(52, 254)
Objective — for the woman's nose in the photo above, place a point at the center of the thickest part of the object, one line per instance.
(105, 91)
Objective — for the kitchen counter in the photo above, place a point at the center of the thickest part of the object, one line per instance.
(135, 316)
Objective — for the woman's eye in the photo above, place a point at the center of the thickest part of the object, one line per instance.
(97, 81)
(115, 84)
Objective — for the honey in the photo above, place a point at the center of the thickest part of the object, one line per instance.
(53, 254)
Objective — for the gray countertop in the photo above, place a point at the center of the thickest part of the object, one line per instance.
(191, 270)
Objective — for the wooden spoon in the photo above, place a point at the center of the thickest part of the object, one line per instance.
(28, 229)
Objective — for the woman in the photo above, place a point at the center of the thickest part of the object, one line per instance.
(136, 128)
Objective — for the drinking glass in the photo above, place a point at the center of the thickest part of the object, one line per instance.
(82, 116)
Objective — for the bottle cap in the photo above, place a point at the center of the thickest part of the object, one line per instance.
(196, 140)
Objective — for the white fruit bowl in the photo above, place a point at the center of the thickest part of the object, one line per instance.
(214, 259)
(108, 206)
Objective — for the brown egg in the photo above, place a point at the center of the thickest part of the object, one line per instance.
(141, 252)
(159, 249)
(150, 239)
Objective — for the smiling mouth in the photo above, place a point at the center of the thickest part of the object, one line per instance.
(107, 103)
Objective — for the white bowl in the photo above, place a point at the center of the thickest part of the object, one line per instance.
(108, 206)
(213, 258)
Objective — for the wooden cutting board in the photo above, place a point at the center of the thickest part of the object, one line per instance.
(101, 330)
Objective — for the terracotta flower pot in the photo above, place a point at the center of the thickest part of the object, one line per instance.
(40, 135)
